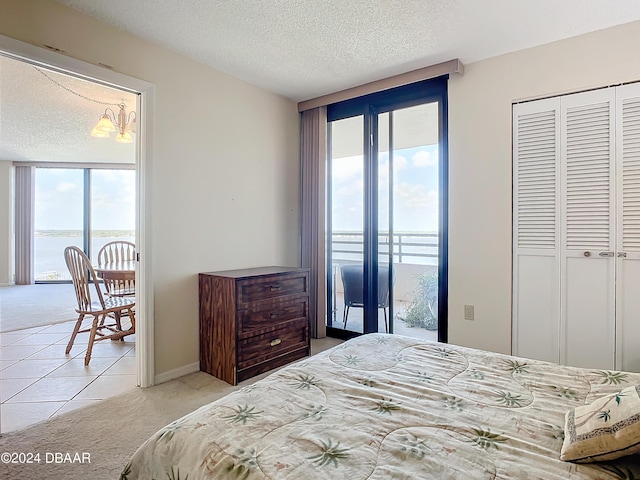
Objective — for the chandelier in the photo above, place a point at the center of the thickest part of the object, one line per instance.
(122, 123)
(109, 122)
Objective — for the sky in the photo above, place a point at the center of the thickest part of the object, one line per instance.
(415, 190)
(59, 194)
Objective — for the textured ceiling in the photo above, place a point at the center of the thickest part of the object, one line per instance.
(297, 48)
(42, 120)
(306, 48)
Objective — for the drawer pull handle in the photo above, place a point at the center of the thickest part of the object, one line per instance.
(274, 314)
(275, 342)
(274, 288)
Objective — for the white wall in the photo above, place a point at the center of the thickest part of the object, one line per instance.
(480, 164)
(224, 176)
(6, 223)
(225, 171)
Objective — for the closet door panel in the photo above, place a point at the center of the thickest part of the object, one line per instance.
(589, 331)
(628, 227)
(628, 331)
(537, 308)
(593, 315)
(536, 301)
(587, 323)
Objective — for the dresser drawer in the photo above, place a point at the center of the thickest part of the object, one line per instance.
(263, 288)
(252, 320)
(271, 313)
(269, 345)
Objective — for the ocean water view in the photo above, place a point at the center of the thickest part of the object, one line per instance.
(50, 245)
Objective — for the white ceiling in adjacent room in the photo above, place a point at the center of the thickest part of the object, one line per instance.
(47, 116)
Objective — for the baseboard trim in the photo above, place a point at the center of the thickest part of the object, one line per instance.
(177, 372)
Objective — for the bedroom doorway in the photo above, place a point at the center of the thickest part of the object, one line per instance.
(387, 213)
(143, 372)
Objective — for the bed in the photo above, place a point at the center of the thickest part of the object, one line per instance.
(389, 407)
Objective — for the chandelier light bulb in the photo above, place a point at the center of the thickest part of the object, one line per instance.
(105, 124)
(124, 138)
(99, 133)
(120, 123)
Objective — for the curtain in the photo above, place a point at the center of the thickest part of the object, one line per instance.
(313, 146)
(24, 224)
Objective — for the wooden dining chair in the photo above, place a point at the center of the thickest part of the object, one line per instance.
(83, 277)
(116, 252)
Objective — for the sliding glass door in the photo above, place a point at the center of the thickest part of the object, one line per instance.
(113, 198)
(346, 220)
(386, 248)
(59, 220)
(83, 207)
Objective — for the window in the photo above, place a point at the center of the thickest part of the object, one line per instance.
(387, 212)
(85, 207)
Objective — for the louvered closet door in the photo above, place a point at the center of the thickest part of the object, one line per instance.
(628, 227)
(587, 333)
(536, 288)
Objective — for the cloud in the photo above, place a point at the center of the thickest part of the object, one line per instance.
(353, 188)
(343, 169)
(417, 196)
(348, 168)
(416, 208)
(399, 163)
(58, 202)
(64, 187)
(423, 158)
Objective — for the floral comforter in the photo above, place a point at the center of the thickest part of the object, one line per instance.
(388, 407)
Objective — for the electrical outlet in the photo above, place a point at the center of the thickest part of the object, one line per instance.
(468, 312)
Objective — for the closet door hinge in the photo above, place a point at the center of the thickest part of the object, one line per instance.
(622, 254)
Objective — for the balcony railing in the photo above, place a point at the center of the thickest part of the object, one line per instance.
(408, 247)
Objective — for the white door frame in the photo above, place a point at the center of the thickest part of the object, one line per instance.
(144, 281)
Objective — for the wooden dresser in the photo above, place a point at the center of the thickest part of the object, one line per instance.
(252, 320)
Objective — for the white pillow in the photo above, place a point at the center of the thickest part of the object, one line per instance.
(606, 429)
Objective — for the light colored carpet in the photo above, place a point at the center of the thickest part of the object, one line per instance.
(26, 306)
(109, 431)
(112, 430)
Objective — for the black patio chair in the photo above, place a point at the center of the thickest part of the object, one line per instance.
(353, 284)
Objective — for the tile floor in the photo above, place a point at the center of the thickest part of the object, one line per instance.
(38, 381)
(356, 315)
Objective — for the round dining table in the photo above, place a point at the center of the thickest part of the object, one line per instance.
(119, 277)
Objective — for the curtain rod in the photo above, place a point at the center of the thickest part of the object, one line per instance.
(425, 73)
